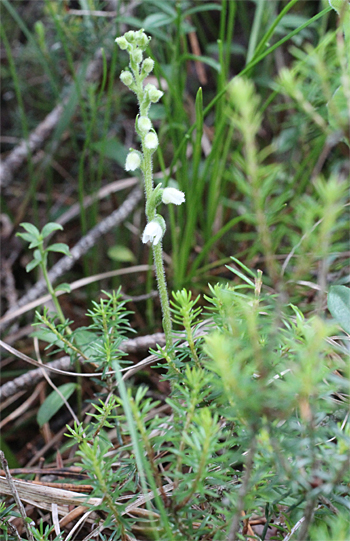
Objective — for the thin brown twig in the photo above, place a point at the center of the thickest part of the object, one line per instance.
(15, 495)
(82, 282)
(232, 536)
(308, 516)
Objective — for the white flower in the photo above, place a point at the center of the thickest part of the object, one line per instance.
(144, 124)
(133, 161)
(151, 141)
(153, 232)
(172, 195)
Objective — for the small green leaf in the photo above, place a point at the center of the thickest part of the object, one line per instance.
(121, 253)
(59, 247)
(339, 305)
(31, 229)
(63, 287)
(49, 228)
(54, 402)
(33, 263)
(26, 236)
(35, 243)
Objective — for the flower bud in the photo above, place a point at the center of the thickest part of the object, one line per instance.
(123, 44)
(147, 65)
(172, 195)
(153, 93)
(142, 40)
(144, 124)
(151, 141)
(133, 161)
(126, 78)
(130, 36)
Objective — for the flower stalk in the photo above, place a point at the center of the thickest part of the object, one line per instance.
(135, 43)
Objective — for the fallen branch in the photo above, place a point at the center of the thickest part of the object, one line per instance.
(62, 365)
(80, 249)
(12, 489)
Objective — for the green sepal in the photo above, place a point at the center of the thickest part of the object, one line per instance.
(154, 200)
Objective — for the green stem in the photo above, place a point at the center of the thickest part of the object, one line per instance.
(163, 294)
(53, 294)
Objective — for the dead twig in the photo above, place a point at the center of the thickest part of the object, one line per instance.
(81, 248)
(13, 490)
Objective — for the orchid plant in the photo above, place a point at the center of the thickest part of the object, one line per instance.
(135, 43)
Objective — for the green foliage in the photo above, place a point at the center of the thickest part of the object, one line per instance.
(339, 305)
(5, 514)
(44, 534)
(36, 240)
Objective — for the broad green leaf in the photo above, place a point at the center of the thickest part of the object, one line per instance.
(49, 228)
(32, 264)
(339, 305)
(31, 229)
(83, 339)
(59, 247)
(113, 149)
(26, 236)
(162, 6)
(63, 287)
(121, 253)
(157, 19)
(48, 336)
(54, 402)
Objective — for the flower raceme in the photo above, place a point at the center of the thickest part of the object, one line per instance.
(136, 43)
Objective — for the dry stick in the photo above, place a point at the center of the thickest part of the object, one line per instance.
(232, 536)
(37, 138)
(81, 247)
(14, 493)
(23, 407)
(62, 365)
(14, 161)
(9, 316)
